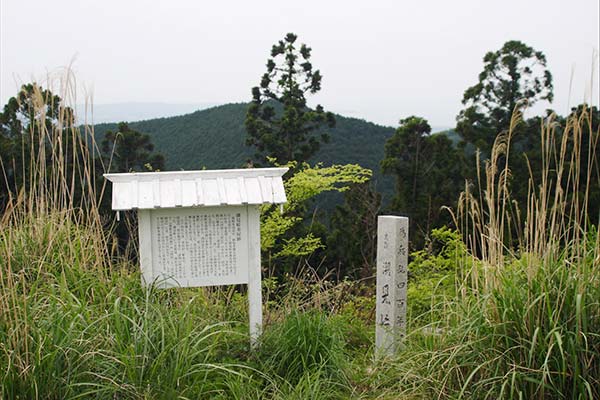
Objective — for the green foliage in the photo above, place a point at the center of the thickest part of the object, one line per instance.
(311, 181)
(128, 150)
(534, 337)
(428, 175)
(433, 274)
(72, 326)
(303, 186)
(556, 351)
(304, 343)
(351, 241)
(278, 122)
(513, 77)
(71, 329)
(517, 329)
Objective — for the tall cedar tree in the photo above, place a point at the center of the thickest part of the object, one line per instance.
(278, 121)
(428, 175)
(512, 78)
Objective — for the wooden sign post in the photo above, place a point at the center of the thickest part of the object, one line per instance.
(392, 269)
(201, 228)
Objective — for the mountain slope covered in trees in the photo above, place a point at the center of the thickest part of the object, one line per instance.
(216, 138)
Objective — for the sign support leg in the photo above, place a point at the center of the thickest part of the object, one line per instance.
(254, 274)
(145, 240)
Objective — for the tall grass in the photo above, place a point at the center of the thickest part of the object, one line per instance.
(74, 319)
(46, 238)
(527, 322)
(305, 343)
(545, 296)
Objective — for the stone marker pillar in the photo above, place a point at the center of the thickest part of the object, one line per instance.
(392, 262)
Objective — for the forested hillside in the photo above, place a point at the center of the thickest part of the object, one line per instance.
(216, 138)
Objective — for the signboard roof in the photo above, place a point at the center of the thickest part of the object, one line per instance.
(148, 190)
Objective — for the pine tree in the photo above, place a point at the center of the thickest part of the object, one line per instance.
(278, 121)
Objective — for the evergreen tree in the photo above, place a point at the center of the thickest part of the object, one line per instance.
(278, 121)
(129, 150)
(428, 175)
(513, 77)
(352, 239)
(27, 127)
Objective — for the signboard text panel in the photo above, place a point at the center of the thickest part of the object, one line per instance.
(200, 246)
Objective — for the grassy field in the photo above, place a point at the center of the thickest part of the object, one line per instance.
(518, 323)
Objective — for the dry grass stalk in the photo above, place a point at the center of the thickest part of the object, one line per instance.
(556, 209)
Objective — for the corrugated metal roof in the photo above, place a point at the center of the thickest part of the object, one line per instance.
(145, 190)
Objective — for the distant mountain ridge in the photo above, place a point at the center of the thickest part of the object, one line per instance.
(216, 138)
(138, 111)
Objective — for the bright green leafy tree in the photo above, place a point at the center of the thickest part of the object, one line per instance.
(278, 121)
(284, 237)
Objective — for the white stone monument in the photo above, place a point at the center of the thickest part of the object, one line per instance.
(201, 228)
(392, 271)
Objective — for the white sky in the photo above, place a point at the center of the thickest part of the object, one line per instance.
(380, 60)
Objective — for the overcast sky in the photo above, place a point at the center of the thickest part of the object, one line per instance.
(380, 60)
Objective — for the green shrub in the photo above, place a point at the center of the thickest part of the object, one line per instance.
(434, 274)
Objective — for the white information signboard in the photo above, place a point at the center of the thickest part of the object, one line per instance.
(392, 271)
(201, 228)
